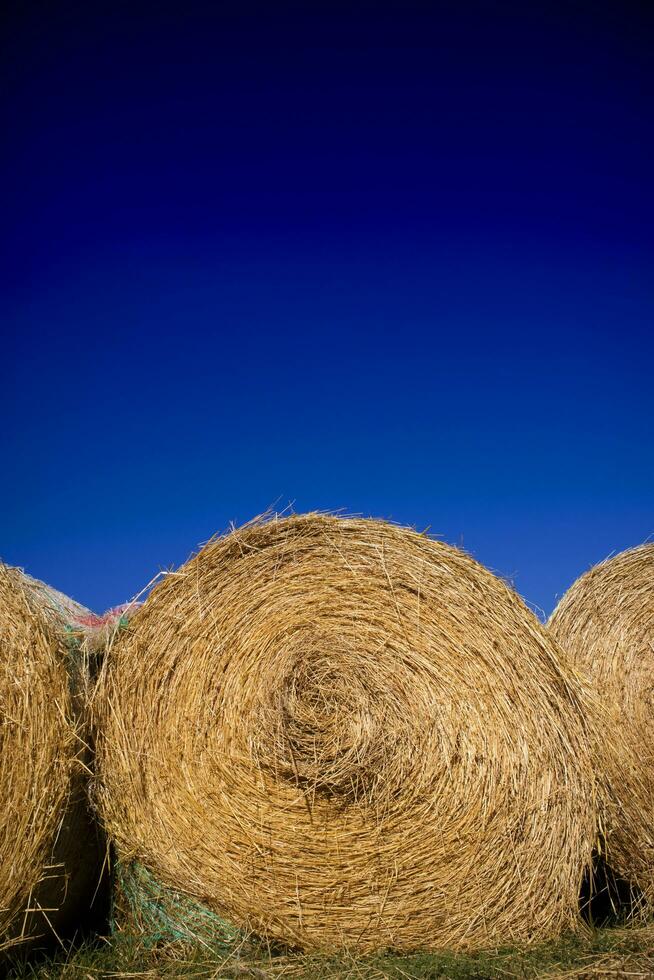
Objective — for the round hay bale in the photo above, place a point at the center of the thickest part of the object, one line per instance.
(605, 624)
(338, 732)
(49, 852)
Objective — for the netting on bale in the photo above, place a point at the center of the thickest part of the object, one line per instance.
(49, 849)
(605, 624)
(336, 732)
(158, 914)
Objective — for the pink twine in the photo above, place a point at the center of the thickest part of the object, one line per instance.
(110, 618)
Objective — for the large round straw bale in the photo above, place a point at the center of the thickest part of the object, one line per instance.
(48, 846)
(339, 732)
(605, 623)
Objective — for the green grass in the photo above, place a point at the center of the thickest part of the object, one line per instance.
(613, 952)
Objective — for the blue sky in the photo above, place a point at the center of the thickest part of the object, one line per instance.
(395, 259)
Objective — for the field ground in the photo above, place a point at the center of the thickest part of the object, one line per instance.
(609, 952)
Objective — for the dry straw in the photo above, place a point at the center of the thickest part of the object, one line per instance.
(605, 623)
(48, 848)
(339, 732)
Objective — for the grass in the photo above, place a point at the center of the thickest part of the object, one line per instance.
(607, 952)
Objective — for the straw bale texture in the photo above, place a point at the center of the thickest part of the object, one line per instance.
(605, 623)
(48, 847)
(338, 732)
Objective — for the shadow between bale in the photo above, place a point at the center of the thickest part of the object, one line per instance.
(608, 899)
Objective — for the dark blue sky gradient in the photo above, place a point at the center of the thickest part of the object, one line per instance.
(395, 259)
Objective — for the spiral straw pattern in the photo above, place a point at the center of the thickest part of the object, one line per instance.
(49, 854)
(605, 623)
(339, 732)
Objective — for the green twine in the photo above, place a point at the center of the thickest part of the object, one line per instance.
(164, 915)
(76, 662)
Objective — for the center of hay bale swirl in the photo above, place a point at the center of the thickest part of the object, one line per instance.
(330, 725)
(337, 732)
(326, 726)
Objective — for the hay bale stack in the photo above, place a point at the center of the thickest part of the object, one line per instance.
(338, 732)
(49, 858)
(605, 623)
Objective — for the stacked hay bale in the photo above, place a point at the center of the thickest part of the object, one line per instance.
(49, 851)
(338, 732)
(605, 623)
